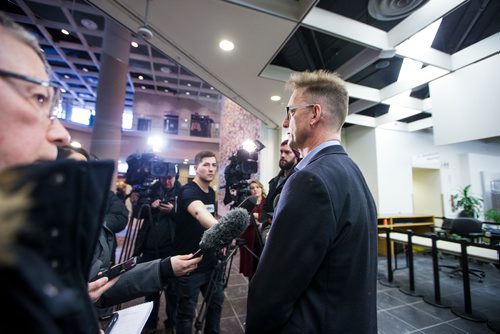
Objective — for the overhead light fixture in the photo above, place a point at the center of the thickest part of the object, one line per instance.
(135, 44)
(165, 69)
(140, 77)
(211, 88)
(166, 90)
(85, 69)
(63, 90)
(165, 81)
(143, 87)
(188, 84)
(188, 93)
(89, 24)
(66, 76)
(275, 98)
(65, 32)
(226, 45)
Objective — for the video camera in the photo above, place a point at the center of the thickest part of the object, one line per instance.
(144, 170)
(241, 165)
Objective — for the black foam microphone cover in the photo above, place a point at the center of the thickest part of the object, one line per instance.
(229, 227)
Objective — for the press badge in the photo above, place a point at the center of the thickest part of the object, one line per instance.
(210, 208)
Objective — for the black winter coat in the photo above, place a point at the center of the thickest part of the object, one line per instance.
(47, 239)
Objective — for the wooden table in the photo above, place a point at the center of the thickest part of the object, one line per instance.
(418, 224)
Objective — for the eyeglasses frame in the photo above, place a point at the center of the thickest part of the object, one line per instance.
(290, 110)
(57, 88)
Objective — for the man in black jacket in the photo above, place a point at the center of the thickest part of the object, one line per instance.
(288, 159)
(155, 240)
(323, 241)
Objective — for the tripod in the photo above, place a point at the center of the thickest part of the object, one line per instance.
(133, 227)
(222, 271)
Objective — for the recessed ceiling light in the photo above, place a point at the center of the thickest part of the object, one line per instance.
(85, 69)
(275, 98)
(64, 31)
(165, 69)
(226, 45)
(63, 90)
(188, 93)
(165, 81)
(135, 44)
(208, 96)
(211, 88)
(166, 90)
(140, 77)
(89, 24)
(143, 87)
(189, 85)
(66, 76)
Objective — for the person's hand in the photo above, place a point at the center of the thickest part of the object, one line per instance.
(98, 287)
(155, 204)
(166, 207)
(184, 264)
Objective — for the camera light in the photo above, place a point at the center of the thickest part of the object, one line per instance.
(249, 145)
(252, 145)
(156, 143)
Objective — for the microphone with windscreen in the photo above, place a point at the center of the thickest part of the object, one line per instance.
(220, 235)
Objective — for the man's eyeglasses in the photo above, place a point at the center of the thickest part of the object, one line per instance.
(45, 97)
(290, 110)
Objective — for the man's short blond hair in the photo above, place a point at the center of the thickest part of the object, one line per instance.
(325, 88)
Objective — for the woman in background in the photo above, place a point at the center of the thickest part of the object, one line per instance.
(251, 236)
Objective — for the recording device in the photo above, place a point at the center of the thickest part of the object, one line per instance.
(220, 235)
(241, 165)
(144, 170)
(117, 270)
(248, 203)
(109, 322)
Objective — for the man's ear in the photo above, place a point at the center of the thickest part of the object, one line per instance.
(316, 112)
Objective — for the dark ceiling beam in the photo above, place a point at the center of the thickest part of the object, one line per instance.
(471, 24)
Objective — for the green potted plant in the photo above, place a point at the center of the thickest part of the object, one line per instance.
(493, 214)
(470, 204)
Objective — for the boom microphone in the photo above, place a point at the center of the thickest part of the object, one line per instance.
(229, 227)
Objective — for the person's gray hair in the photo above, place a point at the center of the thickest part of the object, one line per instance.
(22, 35)
(326, 88)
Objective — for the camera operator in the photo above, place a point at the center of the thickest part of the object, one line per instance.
(156, 241)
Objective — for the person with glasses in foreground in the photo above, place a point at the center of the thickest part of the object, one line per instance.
(50, 212)
(318, 269)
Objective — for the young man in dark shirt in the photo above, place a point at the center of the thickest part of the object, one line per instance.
(196, 211)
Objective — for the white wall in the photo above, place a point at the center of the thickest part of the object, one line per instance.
(359, 143)
(466, 103)
(389, 154)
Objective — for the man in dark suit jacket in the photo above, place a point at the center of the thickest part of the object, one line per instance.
(318, 270)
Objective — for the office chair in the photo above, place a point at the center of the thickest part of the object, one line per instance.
(471, 230)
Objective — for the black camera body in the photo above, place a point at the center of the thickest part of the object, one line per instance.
(145, 170)
(241, 165)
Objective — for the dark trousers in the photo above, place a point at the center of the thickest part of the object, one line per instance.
(170, 293)
(188, 288)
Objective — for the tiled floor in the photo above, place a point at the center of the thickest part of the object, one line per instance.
(397, 312)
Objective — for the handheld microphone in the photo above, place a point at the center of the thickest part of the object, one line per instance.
(220, 235)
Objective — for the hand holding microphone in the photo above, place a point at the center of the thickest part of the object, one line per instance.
(220, 235)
